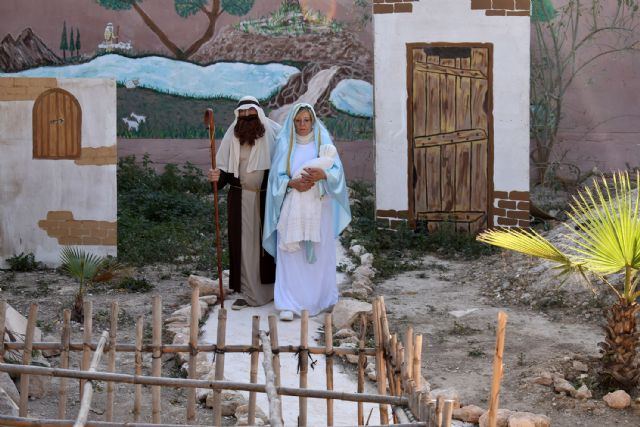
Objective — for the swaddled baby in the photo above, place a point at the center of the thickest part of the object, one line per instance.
(300, 214)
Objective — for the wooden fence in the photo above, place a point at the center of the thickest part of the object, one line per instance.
(398, 366)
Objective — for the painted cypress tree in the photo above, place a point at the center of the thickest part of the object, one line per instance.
(72, 43)
(78, 42)
(64, 44)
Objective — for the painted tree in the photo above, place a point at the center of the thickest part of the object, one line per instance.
(64, 41)
(72, 43)
(185, 8)
(78, 42)
(567, 37)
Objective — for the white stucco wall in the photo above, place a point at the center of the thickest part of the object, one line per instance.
(29, 188)
(453, 22)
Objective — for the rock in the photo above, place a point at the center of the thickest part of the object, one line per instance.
(7, 405)
(580, 366)
(545, 378)
(619, 399)
(242, 413)
(357, 250)
(364, 271)
(560, 385)
(344, 333)
(447, 394)
(349, 340)
(372, 375)
(230, 401)
(52, 352)
(502, 420)
(7, 384)
(203, 393)
(203, 365)
(16, 324)
(208, 286)
(38, 386)
(366, 259)
(528, 419)
(347, 310)
(583, 392)
(209, 299)
(468, 414)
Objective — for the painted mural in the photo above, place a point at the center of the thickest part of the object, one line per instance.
(171, 59)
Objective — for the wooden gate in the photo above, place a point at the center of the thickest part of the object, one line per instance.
(450, 126)
(57, 122)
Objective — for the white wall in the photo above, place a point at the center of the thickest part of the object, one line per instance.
(30, 188)
(453, 22)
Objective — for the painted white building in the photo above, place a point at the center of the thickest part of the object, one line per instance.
(58, 167)
(452, 112)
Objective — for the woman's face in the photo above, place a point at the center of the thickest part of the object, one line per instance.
(303, 123)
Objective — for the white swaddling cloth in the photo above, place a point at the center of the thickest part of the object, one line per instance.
(300, 213)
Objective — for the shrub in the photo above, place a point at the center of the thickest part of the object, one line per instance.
(23, 262)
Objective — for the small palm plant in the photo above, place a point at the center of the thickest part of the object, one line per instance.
(83, 267)
(602, 240)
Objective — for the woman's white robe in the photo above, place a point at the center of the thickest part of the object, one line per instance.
(299, 284)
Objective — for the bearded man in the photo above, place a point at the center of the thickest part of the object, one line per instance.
(243, 161)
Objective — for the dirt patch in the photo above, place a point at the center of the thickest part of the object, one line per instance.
(454, 304)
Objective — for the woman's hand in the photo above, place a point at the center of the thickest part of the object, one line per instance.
(300, 184)
(214, 175)
(313, 175)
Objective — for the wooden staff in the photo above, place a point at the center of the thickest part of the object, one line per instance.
(209, 123)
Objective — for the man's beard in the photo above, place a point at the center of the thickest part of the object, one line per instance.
(248, 129)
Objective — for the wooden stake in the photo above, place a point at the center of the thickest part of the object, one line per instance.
(448, 413)
(304, 366)
(431, 419)
(193, 349)
(156, 364)
(439, 408)
(3, 315)
(417, 361)
(220, 341)
(253, 374)
(112, 359)
(275, 403)
(408, 353)
(85, 403)
(137, 398)
(26, 359)
(86, 339)
(361, 362)
(497, 370)
(64, 362)
(380, 363)
(275, 350)
(328, 342)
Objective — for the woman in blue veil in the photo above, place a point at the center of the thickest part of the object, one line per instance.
(306, 278)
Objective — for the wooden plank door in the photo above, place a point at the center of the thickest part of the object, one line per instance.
(450, 135)
(57, 122)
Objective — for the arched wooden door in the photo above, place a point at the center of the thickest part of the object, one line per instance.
(57, 124)
(449, 129)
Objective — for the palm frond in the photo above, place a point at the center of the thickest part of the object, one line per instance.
(79, 264)
(525, 241)
(606, 228)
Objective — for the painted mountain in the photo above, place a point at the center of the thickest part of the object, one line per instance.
(26, 51)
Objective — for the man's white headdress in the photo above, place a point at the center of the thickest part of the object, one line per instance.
(228, 157)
